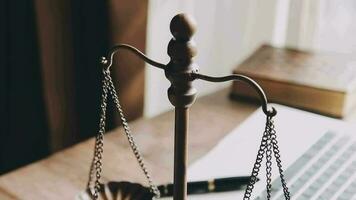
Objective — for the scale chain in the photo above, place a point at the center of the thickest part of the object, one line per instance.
(96, 165)
(268, 146)
(278, 159)
(269, 162)
(256, 167)
(131, 140)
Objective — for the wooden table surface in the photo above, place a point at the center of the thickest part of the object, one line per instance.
(64, 174)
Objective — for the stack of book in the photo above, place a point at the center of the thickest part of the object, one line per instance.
(324, 83)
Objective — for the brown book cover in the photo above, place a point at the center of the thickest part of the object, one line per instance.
(320, 82)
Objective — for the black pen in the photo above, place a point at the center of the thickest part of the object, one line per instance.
(214, 185)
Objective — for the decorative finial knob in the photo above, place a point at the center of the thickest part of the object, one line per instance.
(181, 50)
(182, 27)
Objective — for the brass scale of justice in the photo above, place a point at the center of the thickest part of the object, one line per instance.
(181, 71)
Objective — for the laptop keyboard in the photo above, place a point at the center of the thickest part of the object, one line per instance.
(327, 170)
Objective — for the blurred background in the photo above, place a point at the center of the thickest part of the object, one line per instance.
(50, 76)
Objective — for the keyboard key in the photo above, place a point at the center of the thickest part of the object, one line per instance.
(349, 192)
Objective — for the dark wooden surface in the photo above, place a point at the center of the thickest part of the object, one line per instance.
(64, 174)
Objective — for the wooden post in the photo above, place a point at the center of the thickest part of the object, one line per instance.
(181, 94)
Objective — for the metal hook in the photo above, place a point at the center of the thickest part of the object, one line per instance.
(238, 77)
(107, 63)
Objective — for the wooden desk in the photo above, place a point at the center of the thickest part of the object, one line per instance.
(64, 174)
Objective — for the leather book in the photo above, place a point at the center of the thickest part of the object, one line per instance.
(324, 83)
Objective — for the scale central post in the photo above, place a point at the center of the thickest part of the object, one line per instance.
(181, 71)
(181, 94)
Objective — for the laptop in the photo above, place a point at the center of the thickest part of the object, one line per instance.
(318, 156)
